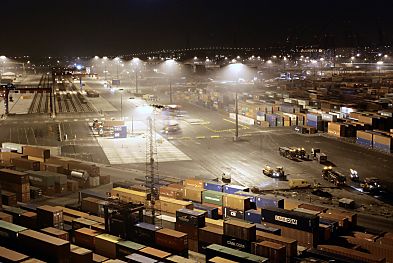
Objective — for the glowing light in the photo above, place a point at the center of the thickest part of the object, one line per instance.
(379, 62)
(269, 62)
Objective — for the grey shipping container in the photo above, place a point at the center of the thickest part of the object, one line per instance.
(215, 250)
(190, 217)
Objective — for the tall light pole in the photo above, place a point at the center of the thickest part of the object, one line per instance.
(169, 67)
(379, 63)
(135, 62)
(121, 104)
(104, 62)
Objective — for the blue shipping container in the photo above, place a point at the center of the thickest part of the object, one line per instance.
(213, 186)
(381, 147)
(269, 200)
(314, 117)
(232, 189)
(211, 212)
(364, 142)
(253, 216)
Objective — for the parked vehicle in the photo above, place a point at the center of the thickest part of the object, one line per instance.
(287, 152)
(300, 153)
(321, 157)
(277, 173)
(353, 175)
(372, 185)
(314, 152)
(333, 176)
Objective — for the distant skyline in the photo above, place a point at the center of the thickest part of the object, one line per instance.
(90, 27)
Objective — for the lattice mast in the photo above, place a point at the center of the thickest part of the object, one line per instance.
(152, 176)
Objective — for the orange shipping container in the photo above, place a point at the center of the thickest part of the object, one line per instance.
(193, 183)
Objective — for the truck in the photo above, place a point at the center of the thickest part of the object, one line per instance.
(371, 185)
(299, 153)
(321, 157)
(277, 173)
(332, 176)
(287, 152)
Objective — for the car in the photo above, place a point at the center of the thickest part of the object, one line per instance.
(131, 98)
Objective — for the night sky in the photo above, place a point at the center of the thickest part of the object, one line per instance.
(110, 27)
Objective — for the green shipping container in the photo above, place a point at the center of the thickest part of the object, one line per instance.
(212, 197)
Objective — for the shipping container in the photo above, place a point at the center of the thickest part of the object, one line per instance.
(43, 246)
(263, 201)
(26, 164)
(213, 186)
(154, 253)
(145, 233)
(171, 240)
(253, 216)
(170, 205)
(213, 197)
(304, 238)
(236, 243)
(105, 245)
(209, 235)
(9, 233)
(5, 217)
(190, 217)
(219, 208)
(211, 212)
(240, 229)
(36, 152)
(352, 254)
(193, 194)
(55, 232)
(171, 192)
(232, 189)
(215, 250)
(84, 237)
(289, 243)
(233, 213)
(93, 205)
(80, 255)
(215, 223)
(236, 202)
(179, 259)
(191, 231)
(49, 216)
(251, 196)
(127, 195)
(291, 219)
(273, 251)
(125, 248)
(197, 183)
(313, 207)
(138, 258)
(268, 229)
(221, 260)
(8, 255)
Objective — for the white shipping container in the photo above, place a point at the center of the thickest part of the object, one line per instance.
(12, 146)
(303, 102)
(329, 117)
(242, 119)
(261, 118)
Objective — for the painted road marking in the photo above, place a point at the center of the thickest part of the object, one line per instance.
(201, 137)
(215, 136)
(246, 127)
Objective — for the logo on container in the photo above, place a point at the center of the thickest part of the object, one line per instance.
(286, 220)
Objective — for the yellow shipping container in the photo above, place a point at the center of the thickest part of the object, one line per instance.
(193, 194)
(236, 202)
(105, 245)
(128, 195)
(170, 205)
